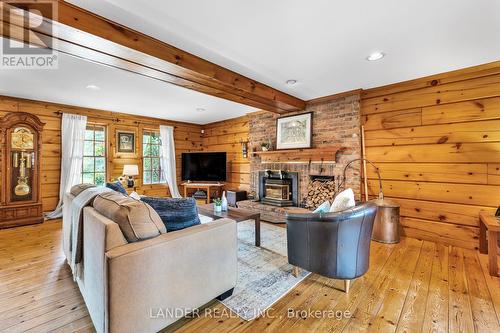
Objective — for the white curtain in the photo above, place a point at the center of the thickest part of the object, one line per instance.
(72, 138)
(167, 159)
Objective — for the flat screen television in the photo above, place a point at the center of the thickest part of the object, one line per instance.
(204, 166)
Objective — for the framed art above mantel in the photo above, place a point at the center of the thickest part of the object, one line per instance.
(294, 132)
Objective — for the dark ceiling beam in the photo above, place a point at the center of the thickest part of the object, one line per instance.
(85, 35)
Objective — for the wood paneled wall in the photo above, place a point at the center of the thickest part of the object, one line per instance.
(435, 139)
(437, 143)
(187, 138)
(227, 136)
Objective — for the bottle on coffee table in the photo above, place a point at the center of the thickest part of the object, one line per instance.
(224, 202)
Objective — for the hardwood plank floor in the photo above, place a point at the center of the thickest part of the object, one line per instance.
(413, 286)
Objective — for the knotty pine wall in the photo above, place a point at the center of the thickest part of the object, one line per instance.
(227, 136)
(187, 138)
(436, 141)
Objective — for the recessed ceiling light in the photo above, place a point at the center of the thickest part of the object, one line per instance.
(375, 56)
(93, 87)
(291, 82)
(201, 109)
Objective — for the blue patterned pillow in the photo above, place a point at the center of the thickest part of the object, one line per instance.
(176, 213)
(323, 208)
(117, 186)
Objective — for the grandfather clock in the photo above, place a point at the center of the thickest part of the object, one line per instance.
(20, 197)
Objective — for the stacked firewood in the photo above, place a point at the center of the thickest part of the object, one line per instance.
(318, 191)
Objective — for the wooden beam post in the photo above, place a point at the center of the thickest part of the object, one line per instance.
(363, 151)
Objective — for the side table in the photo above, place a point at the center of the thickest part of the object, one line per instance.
(491, 225)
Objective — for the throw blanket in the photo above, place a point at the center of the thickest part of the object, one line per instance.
(76, 241)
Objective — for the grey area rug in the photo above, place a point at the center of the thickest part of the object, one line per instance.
(264, 275)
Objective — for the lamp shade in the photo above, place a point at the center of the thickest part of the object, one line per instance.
(130, 170)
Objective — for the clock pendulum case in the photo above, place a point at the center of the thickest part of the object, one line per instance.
(20, 195)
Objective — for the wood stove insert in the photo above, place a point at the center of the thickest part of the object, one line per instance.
(278, 188)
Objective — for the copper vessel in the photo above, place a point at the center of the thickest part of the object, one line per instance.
(386, 225)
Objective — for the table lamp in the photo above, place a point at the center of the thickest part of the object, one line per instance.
(130, 170)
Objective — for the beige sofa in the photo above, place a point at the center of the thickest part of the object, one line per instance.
(135, 287)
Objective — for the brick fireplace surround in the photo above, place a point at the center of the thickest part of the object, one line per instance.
(335, 122)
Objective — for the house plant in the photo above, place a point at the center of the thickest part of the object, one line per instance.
(218, 205)
(266, 145)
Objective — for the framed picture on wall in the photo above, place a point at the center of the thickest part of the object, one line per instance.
(294, 131)
(125, 142)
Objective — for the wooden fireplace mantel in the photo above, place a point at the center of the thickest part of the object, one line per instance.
(328, 154)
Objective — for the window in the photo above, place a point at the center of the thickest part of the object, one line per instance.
(94, 155)
(151, 146)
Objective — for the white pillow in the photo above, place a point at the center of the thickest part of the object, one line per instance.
(135, 195)
(323, 208)
(205, 219)
(344, 200)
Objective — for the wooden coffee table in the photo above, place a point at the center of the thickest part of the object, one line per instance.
(236, 214)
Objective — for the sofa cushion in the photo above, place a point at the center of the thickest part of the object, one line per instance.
(176, 213)
(117, 186)
(344, 200)
(77, 189)
(137, 220)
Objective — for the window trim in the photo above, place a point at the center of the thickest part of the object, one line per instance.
(93, 126)
(162, 181)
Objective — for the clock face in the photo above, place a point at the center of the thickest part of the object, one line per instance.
(22, 138)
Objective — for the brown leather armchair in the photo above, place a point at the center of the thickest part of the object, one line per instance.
(335, 245)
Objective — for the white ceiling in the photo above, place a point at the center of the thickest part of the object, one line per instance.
(321, 43)
(120, 91)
